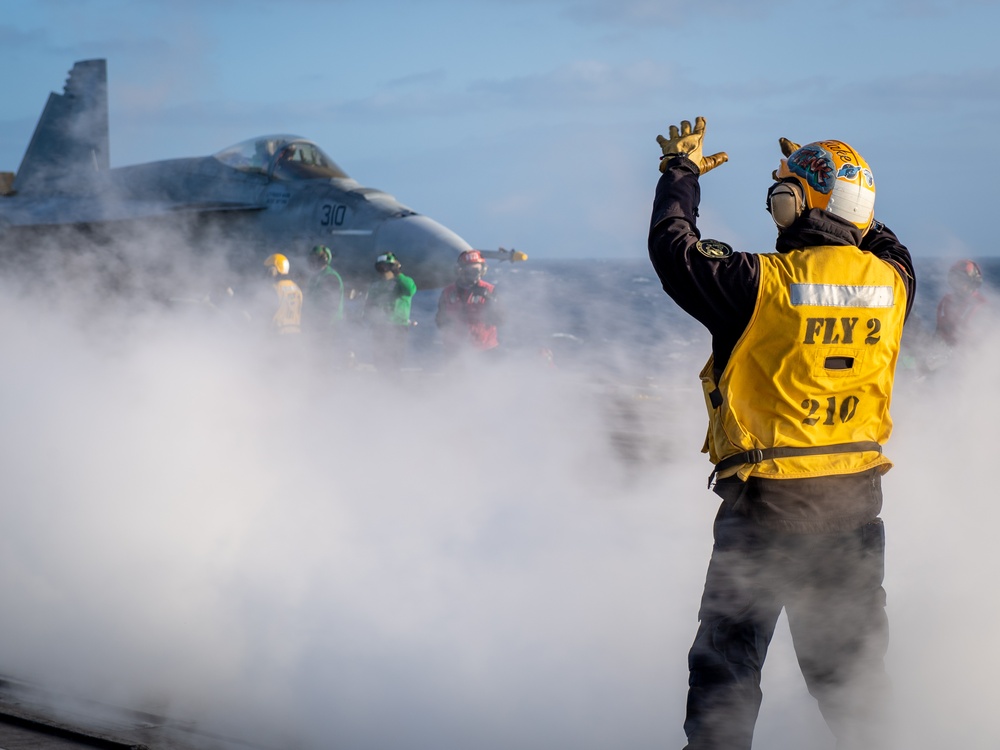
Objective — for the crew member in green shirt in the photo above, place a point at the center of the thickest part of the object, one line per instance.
(387, 311)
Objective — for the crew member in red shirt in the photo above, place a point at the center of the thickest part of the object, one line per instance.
(468, 310)
(957, 311)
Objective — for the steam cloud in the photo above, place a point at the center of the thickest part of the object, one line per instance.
(201, 526)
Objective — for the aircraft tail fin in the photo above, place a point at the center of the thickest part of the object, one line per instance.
(70, 143)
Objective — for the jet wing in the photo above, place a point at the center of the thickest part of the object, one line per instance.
(71, 210)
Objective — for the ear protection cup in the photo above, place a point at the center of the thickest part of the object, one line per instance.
(785, 203)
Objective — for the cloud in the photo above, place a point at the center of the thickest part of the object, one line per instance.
(650, 12)
(973, 89)
(416, 79)
(630, 87)
(679, 14)
(13, 38)
(494, 557)
(206, 531)
(579, 84)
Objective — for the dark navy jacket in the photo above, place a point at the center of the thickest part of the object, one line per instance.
(721, 293)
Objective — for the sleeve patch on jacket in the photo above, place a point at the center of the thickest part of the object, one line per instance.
(713, 249)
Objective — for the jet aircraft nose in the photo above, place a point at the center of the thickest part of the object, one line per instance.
(426, 250)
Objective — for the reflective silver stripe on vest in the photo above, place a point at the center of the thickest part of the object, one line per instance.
(841, 295)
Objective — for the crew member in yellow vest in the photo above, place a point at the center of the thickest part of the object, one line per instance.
(798, 387)
(287, 316)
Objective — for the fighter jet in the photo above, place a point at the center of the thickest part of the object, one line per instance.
(275, 193)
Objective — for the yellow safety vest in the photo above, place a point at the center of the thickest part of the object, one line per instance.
(807, 389)
(288, 317)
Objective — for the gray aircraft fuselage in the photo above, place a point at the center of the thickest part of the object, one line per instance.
(276, 193)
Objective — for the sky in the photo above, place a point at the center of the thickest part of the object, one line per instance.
(532, 123)
(201, 527)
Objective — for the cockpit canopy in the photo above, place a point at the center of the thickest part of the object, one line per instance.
(283, 157)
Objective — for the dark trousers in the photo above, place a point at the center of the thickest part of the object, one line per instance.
(830, 586)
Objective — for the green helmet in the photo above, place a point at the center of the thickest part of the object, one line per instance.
(387, 260)
(322, 251)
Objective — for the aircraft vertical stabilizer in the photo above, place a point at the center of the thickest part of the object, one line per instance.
(70, 143)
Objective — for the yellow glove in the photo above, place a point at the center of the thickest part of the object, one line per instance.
(787, 148)
(687, 142)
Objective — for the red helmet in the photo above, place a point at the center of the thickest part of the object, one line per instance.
(965, 276)
(468, 257)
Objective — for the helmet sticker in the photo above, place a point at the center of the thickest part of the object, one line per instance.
(470, 256)
(713, 249)
(834, 179)
(815, 164)
(850, 171)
